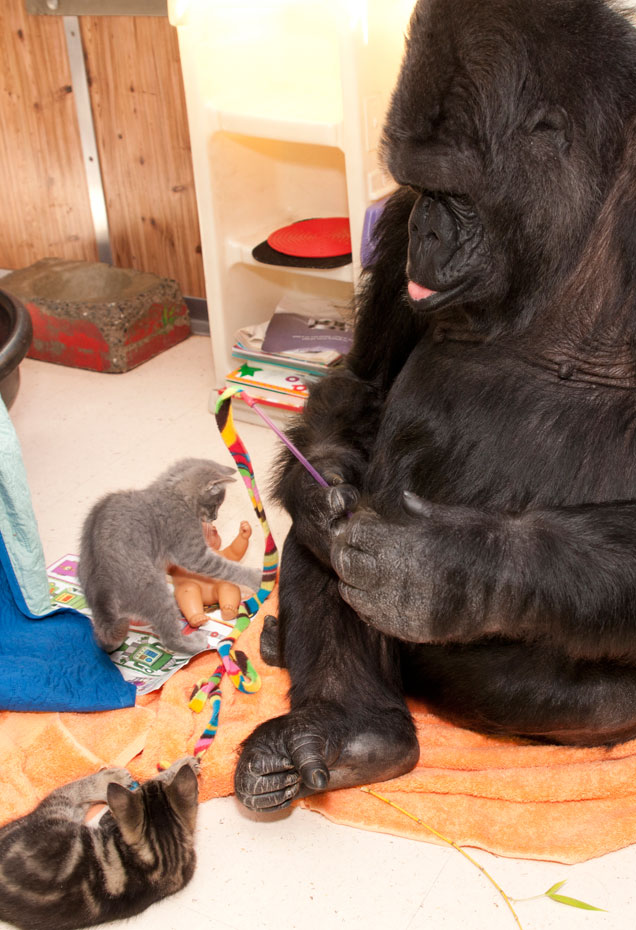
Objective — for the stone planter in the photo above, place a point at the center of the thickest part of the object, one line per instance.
(92, 315)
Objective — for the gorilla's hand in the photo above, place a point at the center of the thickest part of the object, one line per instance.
(425, 578)
(323, 509)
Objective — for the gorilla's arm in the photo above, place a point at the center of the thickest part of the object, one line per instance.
(447, 574)
(342, 415)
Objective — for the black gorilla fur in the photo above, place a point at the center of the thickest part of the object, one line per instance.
(482, 438)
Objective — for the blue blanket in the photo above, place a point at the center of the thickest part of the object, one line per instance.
(52, 662)
(48, 658)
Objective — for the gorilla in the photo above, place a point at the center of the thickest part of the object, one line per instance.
(476, 546)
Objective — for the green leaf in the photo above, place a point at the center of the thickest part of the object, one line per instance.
(572, 902)
(555, 888)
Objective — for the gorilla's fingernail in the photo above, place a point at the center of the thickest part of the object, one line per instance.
(319, 779)
(337, 528)
(415, 505)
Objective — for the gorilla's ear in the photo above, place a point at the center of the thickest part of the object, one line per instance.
(555, 122)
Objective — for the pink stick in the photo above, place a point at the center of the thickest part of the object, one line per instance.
(292, 448)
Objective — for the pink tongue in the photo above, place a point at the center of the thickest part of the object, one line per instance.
(417, 292)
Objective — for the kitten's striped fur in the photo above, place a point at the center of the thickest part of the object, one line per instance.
(58, 873)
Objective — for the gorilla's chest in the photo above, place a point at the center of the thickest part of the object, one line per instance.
(472, 425)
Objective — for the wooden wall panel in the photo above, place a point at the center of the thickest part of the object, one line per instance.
(44, 197)
(144, 146)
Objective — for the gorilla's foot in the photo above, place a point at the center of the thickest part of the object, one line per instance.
(270, 642)
(307, 751)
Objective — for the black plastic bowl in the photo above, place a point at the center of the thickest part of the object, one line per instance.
(16, 332)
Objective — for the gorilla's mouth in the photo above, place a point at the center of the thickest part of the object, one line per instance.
(418, 292)
(425, 300)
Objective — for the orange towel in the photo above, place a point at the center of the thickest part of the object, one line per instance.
(40, 751)
(511, 798)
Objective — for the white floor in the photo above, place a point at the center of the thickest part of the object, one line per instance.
(83, 434)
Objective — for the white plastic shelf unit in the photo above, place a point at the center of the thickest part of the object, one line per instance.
(286, 100)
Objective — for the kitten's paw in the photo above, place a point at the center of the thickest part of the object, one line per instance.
(193, 761)
(169, 773)
(102, 779)
(192, 644)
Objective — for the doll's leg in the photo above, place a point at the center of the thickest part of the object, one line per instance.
(189, 595)
(229, 598)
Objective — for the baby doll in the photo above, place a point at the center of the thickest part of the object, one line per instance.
(192, 591)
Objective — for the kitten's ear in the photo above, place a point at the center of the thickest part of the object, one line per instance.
(221, 480)
(183, 794)
(225, 474)
(127, 809)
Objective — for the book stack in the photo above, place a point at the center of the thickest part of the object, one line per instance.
(278, 359)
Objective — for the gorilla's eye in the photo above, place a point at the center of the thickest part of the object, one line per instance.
(440, 195)
(460, 204)
(459, 199)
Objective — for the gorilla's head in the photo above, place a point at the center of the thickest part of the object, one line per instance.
(508, 122)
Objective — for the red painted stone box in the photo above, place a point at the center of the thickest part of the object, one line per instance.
(91, 315)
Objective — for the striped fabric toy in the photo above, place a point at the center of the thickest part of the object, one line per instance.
(246, 679)
(225, 423)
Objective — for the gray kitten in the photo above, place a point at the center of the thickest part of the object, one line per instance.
(130, 537)
(58, 873)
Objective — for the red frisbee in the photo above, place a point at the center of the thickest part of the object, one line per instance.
(326, 237)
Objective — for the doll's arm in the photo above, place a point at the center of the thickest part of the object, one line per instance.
(238, 547)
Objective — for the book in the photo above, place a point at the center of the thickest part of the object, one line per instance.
(304, 339)
(296, 335)
(308, 333)
(244, 353)
(273, 384)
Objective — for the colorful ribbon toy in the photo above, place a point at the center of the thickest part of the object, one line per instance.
(244, 678)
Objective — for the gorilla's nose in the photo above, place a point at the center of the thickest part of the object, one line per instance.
(432, 222)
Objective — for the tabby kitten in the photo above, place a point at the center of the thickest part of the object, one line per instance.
(58, 873)
(130, 537)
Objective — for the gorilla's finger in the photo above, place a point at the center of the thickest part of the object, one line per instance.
(359, 531)
(266, 781)
(352, 566)
(265, 763)
(275, 800)
(307, 754)
(343, 499)
(275, 781)
(272, 791)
